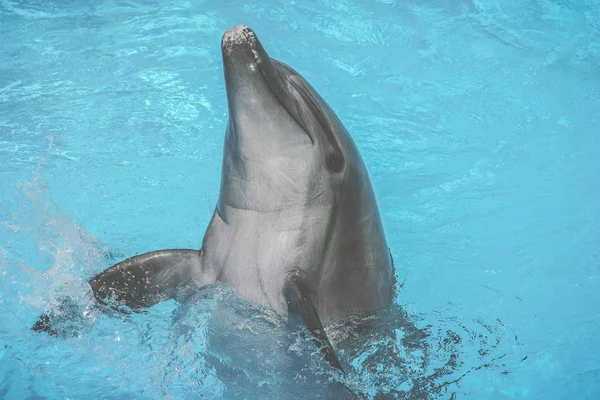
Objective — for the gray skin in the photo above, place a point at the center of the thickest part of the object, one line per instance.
(296, 227)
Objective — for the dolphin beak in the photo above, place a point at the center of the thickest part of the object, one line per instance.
(240, 44)
(244, 60)
(249, 72)
(252, 79)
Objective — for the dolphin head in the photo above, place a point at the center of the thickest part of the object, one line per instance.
(295, 194)
(284, 147)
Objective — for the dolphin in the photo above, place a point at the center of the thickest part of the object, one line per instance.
(296, 227)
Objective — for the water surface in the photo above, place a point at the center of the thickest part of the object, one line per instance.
(478, 121)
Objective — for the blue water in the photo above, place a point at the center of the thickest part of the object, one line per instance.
(479, 122)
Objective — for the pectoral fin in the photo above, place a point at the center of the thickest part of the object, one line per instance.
(145, 280)
(300, 304)
(141, 281)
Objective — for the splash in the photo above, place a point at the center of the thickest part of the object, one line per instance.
(47, 254)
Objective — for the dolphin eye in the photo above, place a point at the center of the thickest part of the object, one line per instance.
(335, 162)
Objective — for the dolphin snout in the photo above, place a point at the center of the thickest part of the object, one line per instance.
(237, 36)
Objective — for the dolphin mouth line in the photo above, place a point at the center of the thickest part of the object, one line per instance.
(281, 91)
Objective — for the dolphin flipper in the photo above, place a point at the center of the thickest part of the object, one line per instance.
(141, 281)
(145, 280)
(299, 302)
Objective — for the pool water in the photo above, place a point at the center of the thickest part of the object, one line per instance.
(479, 123)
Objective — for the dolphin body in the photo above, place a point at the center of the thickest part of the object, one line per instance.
(296, 227)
